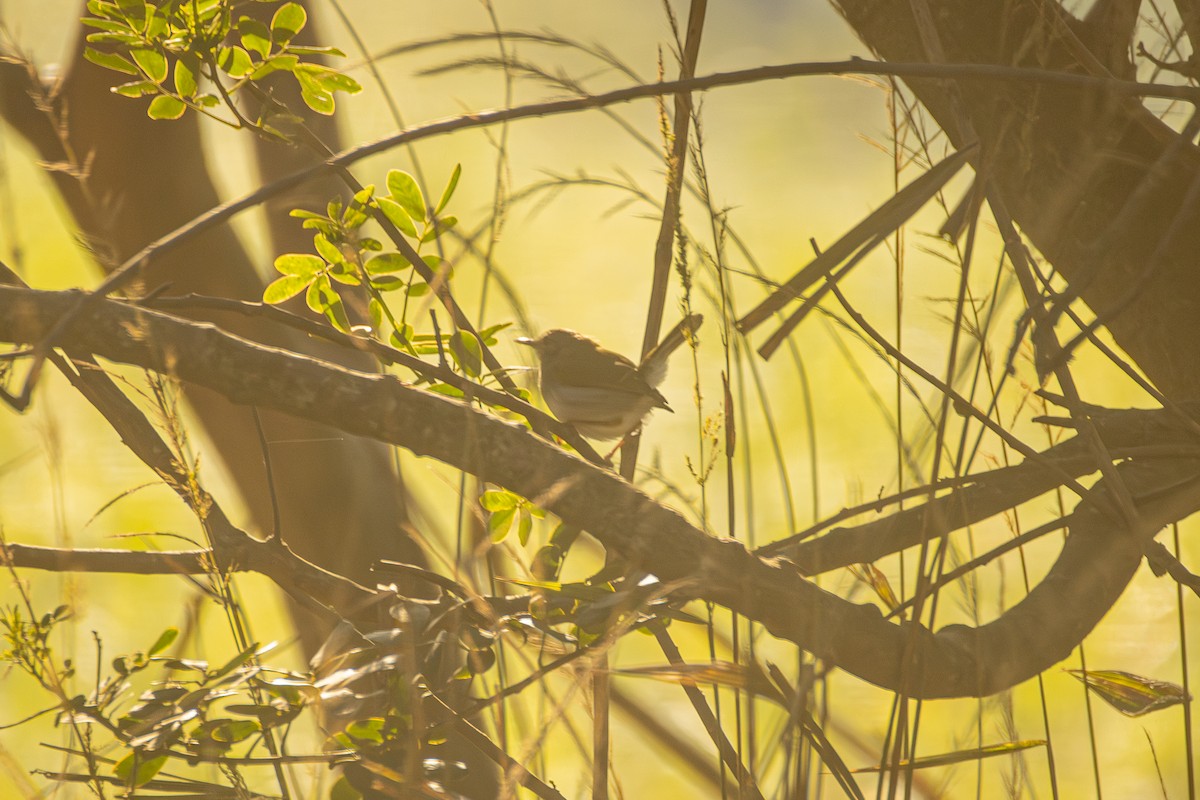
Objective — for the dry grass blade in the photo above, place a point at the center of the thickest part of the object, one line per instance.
(961, 756)
(1132, 695)
(879, 224)
(749, 678)
(802, 718)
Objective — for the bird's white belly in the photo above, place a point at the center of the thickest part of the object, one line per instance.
(591, 409)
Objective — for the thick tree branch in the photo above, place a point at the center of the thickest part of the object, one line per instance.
(1097, 562)
(1095, 181)
(1130, 433)
(102, 146)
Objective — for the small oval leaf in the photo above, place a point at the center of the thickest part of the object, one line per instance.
(152, 62)
(165, 107)
(285, 288)
(405, 191)
(289, 20)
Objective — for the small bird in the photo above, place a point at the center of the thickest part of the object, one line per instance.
(602, 393)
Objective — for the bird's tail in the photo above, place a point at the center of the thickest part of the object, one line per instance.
(654, 365)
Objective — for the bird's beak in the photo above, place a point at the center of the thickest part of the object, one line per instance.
(525, 340)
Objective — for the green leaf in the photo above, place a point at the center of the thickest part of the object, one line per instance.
(498, 500)
(103, 9)
(387, 283)
(166, 107)
(322, 298)
(418, 290)
(157, 24)
(327, 249)
(366, 730)
(342, 790)
(448, 192)
(110, 25)
(324, 79)
(314, 90)
(220, 734)
(488, 334)
(447, 390)
(317, 296)
(127, 39)
(136, 89)
(207, 11)
(354, 217)
(234, 61)
(185, 76)
(110, 61)
(299, 264)
(375, 312)
(278, 63)
(344, 272)
(387, 262)
(153, 63)
(441, 226)
(335, 312)
(235, 730)
(402, 337)
(465, 349)
(105, 24)
(499, 523)
(404, 190)
(524, 525)
(138, 768)
(134, 12)
(321, 224)
(255, 36)
(333, 81)
(318, 100)
(397, 216)
(285, 288)
(186, 664)
(164, 641)
(289, 20)
(241, 658)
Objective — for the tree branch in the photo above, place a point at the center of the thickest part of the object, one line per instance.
(130, 562)
(1097, 562)
(1083, 173)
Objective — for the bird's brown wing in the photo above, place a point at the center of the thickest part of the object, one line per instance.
(586, 365)
(620, 374)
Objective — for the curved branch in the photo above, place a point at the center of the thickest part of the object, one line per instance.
(1138, 433)
(1097, 182)
(98, 155)
(1097, 562)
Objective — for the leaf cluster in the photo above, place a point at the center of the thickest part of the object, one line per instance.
(194, 712)
(346, 260)
(170, 48)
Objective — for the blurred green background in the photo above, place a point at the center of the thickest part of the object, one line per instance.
(790, 160)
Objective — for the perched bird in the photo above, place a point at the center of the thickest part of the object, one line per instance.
(602, 393)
